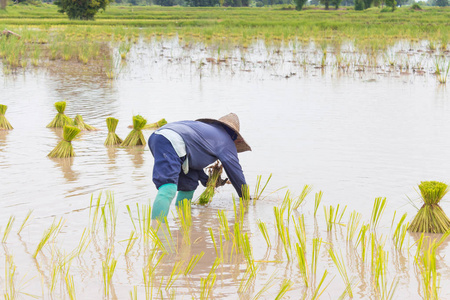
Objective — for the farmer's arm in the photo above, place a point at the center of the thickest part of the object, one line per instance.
(230, 163)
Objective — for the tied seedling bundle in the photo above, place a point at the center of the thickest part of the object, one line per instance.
(64, 148)
(4, 124)
(60, 119)
(112, 139)
(156, 125)
(136, 137)
(431, 218)
(80, 124)
(214, 180)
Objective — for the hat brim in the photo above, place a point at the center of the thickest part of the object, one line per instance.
(241, 144)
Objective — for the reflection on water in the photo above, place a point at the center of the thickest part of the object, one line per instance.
(355, 131)
(66, 167)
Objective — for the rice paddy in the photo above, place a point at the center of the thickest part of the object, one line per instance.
(345, 119)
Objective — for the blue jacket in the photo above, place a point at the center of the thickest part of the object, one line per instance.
(205, 143)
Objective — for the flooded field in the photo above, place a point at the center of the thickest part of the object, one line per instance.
(355, 125)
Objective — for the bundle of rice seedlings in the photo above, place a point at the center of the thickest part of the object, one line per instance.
(156, 125)
(60, 119)
(214, 175)
(64, 148)
(112, 139)
(431, 218)
(136, 137)
(80, 124)
(4, 124)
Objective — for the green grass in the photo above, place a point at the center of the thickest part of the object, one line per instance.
(269, 22)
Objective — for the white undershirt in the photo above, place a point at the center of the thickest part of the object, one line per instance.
(178, 145)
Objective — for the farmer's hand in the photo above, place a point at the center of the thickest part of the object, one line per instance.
(221, 182)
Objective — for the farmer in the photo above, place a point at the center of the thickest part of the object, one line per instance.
(183, 149)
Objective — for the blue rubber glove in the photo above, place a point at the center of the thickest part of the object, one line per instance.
(184, 195)
(161, 206)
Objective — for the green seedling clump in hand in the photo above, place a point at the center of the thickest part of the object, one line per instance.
(431, 218)
(4, 124)
(112, 139)
(214, 174)
(64, 148)
(60, 119)
(156, 125)
(136, 137)
(80, 124)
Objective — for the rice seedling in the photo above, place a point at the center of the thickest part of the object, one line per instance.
(431, 217)
(333, 216)
(317, 200)
(64, 148)
(60, 119)
(223, 224)
(213, 240)
(339, 262)
(427, 267)
(362, 239)
(258, 189)
(70, 286)
(378, 208)
(135, 137)
(82, 245)
(134, 293)
(214, 174)
(148, 272)
(176, 272)
(262, 227)
(49, 234)
(285, 287)
(94, 212)
(283, 231)
(108, 268)
(156, 125)
(10, 291)
(441, 71)
(306, 190)
(80, 124)
(265, 287)
(25, 221)
(112, 139)
(207, 284)
(8, 228)
(400, 233)
(194, 260)
(352, 225)
(4, 124)
(185, 219)
(302, 263)
(131, 241)
(317, 291)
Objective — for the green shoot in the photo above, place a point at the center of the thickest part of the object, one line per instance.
(400, 233)
(285, 287)
(352, 225)
(108, 267)
(317, 200)
(194, 260)
(378, 208)
(25, 221)
(339, 262)
(306, 190)
(8, 228)
(176, 272)
(262, 227)
(258, 189)
(50, 233)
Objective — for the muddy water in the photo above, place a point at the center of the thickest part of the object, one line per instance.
(353, 135)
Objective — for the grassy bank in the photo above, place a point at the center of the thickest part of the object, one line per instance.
(268, 23)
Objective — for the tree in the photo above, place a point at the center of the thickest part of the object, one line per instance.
(336, 3)
(359, 5)
(367, 4)
(441, 3)
(326, 3)
(299, 4)
(81, 9)
(391, 3)
(2, 4)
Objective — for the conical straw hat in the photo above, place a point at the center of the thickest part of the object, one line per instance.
(231, 121)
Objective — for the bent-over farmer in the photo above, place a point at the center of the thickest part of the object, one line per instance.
(183, 149)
